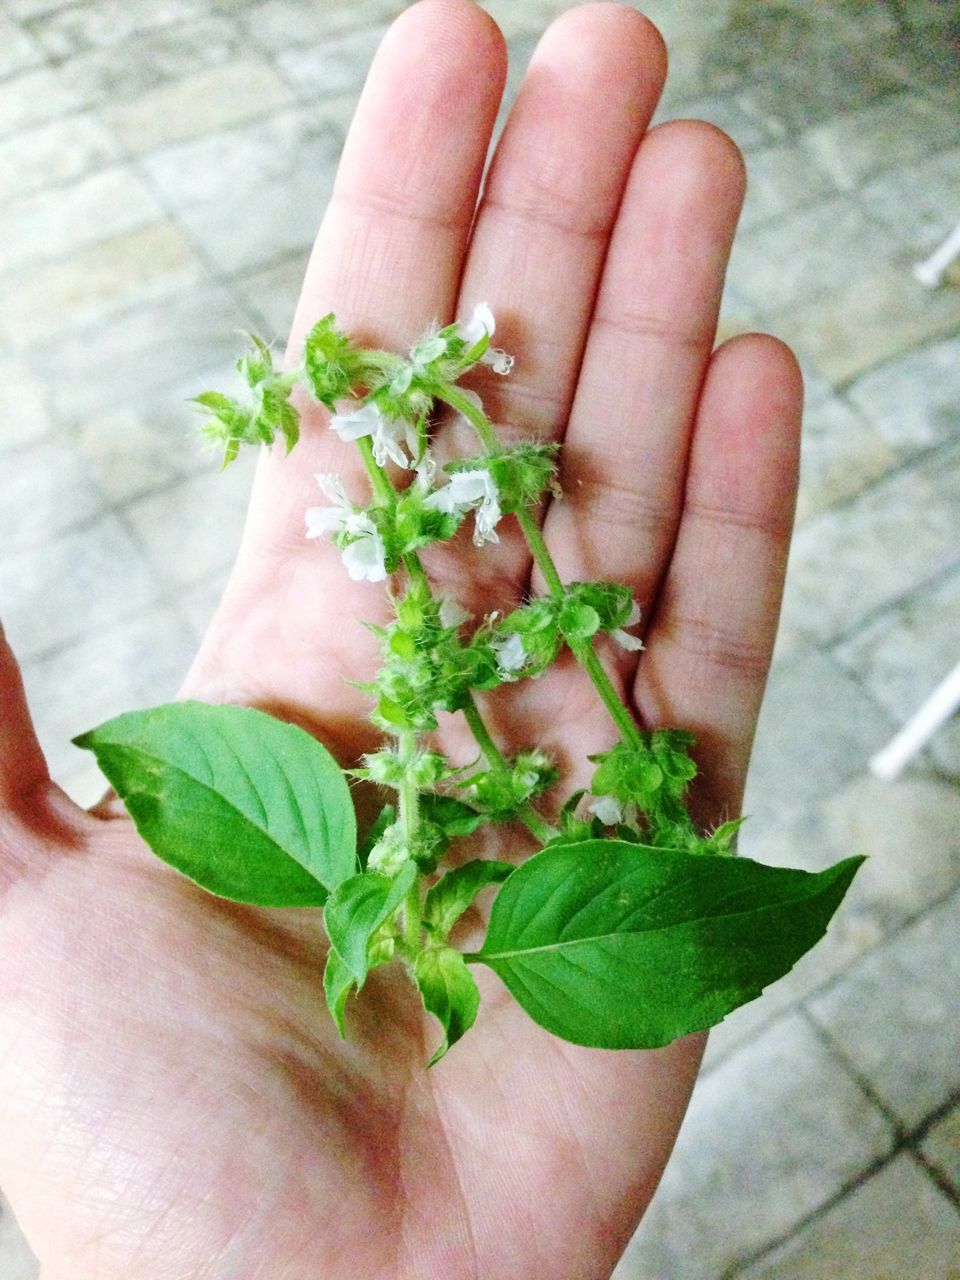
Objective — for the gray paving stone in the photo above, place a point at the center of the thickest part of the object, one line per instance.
(336, 65)
(271, 293)
(24, 415)
(894, 1015)
(817, 729)
(897, 1223)
(104, 23)
(941, 1146)
(51, 224)
(254, 194)
(16, 1260)
(89, 579)
(151, 58)
(33, 97)
(17, 49)
(913, 401)
(192, 529)
(903, 655)
(45, 489)
(278, 25)
(841, 453)
(780, 180)
(876, 318)
(806, 254)
(727, 112)
(51, 154)
(140, 663)
(855, 146)
(771, 1134)
(96, 282)
(214, 98)
(34, 8)
(865, 555)
(917, 200)
(108, 365)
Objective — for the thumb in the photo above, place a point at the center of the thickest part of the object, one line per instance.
(22, 766)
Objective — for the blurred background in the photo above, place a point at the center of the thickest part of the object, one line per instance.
(163, 166)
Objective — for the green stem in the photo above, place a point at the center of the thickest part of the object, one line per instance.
(383, 490)
(409, 795)
(535, 823)
(586, 655)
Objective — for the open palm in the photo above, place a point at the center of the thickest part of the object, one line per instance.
(174, 1101)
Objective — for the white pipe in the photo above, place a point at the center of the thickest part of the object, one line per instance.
(931, 271)
(919, 729)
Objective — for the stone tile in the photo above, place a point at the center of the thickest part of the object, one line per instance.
(24, 415)
(151, 58)
(879, 316)
(855, 146)
(337, 65)
(108, 365)
(897, 1223)
(105, 23)
(17, 49)
(780, 180)
(924, 56)
(89, 579)
(16, 1260)
(35, 8)
(271, 293)
(55, 223)
(95, 283)
(863, 556)
(770, 1135)
(138, 664)
(52, 154)
(941, 1146)
(277, 25)
(917, 200)
(840, 454)
(192, 529)
(817, 729)
(894, 1014)
(864, 817)
(254, 194)
(33, 97)
(806, 254)
(212, 99)
(913, 401)
(44, 490)
(727, 113)
(904, 654)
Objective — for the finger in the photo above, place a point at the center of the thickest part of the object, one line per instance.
(625, 452)
(711, 636)
(389, 253)
(22, 766)
(543, 226)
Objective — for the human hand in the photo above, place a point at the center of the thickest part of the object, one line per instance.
(175, 1101)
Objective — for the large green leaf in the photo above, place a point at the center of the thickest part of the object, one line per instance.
(447, 900)
(621, 946)
(249, 807)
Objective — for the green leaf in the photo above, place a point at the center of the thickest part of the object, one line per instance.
(249, 807)
(449, 898)
(452, 816)
(622, 946)
(358, 907)
(338, 982)
(449, 992)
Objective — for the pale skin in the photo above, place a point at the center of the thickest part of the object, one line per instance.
(174, 1101)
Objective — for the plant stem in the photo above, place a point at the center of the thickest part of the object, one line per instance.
(535, 823)
(586, 655)
(383, 490)
(409, 795)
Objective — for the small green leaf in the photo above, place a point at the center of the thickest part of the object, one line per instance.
(449, 898)
(338, 982)
(623, 946)
(358, 907)
(449, 992)
(452, 816)
(249, 807)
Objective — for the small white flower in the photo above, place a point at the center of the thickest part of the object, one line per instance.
(632, 644)
(364, 556)
(607, 809)
(470, 490)
(321, 520)
(452, 613)
(510, 653)
(386, 433)
(482, 324)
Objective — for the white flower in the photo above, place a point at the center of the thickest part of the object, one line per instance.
(386, 433)
(364, 556)
(482, 324)
(607, 809)
(623, 638)
(511, 655)
(452, 613)
(466, 491)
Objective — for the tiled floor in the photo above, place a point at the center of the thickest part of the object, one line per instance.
(162, 167)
